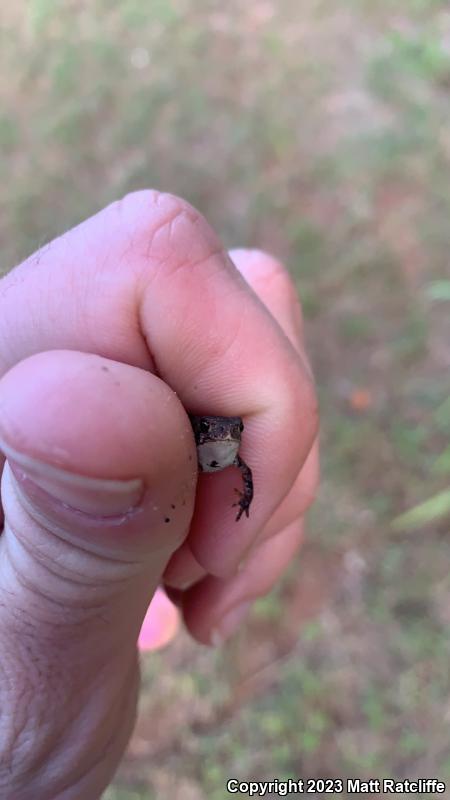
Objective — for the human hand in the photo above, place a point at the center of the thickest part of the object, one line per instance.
(109, 335)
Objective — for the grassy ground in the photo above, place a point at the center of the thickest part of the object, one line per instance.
(320, 131)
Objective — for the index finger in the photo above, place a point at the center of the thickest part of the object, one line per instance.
(146, 281)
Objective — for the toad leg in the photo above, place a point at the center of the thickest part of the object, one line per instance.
(247, 495)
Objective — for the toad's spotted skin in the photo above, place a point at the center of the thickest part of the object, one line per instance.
(218, 440)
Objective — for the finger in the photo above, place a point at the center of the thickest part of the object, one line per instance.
(272, 283)
(299, 498)
(183, 570)
(214, 608)
(146, 282)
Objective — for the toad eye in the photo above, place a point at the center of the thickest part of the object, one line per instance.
(241, 426)
(204, 426)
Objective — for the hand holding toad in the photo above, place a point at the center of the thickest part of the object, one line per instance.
(109, 335)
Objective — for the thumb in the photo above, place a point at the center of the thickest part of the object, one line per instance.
(98, 488)
(97, 492)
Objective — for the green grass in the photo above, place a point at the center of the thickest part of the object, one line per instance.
(320, 133)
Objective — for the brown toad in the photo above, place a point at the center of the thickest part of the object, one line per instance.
(218, 440)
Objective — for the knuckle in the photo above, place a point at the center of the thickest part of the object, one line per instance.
(170, 228)
(146, 201)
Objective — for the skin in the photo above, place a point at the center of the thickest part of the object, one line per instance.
(105, 343)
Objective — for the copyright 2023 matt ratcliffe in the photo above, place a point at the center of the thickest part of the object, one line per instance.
(334, 786)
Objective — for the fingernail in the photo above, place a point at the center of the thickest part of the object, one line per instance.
(91, 495)
(229, 623)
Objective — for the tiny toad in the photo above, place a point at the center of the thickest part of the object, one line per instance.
(218, 440)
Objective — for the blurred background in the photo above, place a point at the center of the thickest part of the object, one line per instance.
(321, 132)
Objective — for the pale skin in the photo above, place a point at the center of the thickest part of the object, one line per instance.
(109, 336)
